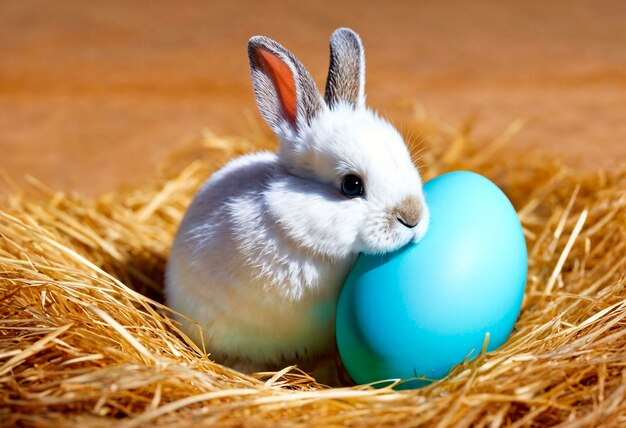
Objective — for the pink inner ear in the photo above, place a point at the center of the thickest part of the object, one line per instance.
(283, 80)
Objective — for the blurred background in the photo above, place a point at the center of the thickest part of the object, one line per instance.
(94, 94)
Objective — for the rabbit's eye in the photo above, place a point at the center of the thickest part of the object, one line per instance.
(352, 186)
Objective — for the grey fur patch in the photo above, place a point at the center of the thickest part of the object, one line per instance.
(346, 74)
(308, 99)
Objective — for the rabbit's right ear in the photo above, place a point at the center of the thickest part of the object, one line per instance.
(346, 74)
(285, 92)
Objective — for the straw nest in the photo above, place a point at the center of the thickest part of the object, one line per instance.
(84, 340)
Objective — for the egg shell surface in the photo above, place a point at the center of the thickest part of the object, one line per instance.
(418, 312)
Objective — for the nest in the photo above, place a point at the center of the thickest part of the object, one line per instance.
(87, 341)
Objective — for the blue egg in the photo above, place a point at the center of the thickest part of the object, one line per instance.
(420, 311)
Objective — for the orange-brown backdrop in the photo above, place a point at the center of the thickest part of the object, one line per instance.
(94, 94)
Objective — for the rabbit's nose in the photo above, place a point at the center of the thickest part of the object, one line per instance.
(409, 212)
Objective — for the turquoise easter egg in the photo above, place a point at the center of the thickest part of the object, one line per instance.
(418, 312)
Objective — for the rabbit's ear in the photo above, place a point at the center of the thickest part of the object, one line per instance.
(285, 92)
(346, 75)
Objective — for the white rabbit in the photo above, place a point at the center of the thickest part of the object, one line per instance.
(266, 244)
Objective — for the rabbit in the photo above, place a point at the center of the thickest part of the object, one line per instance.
(262, 251)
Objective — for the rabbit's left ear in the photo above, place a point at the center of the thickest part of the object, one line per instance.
(346, 75)
(285, 92)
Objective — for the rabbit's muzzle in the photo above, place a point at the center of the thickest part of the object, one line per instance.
(409, 212)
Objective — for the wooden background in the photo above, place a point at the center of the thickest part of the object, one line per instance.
(95, 94)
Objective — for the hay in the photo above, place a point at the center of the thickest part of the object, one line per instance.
(82, 345)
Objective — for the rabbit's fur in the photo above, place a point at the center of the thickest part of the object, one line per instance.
(266, 244)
